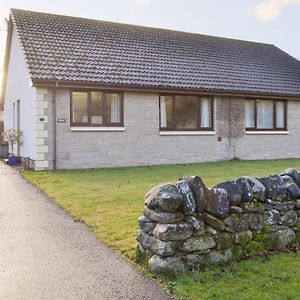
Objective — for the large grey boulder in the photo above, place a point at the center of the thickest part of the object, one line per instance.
(213, 221)
(238, 190)
(163, 217)
(289, 218)
(173, 232)
(280, 205)
(283, 237)
(197, 223)
(247, 193)
(217, 202)
(220, 257)
(188, 204)
(271, 217)
(233, 191)
(146, 224)
(166, 265)
(154, 245)
(256, 222)
(293, 173)
(275, 187)
(238, 222)
(197, 244)
(293, 191)
(165, 196)
(257, 188)
(287, 179)
(198, 189)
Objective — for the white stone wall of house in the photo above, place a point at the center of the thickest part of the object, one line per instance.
(19, 92)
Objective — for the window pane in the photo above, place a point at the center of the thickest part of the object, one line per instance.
(206, 113)
(186, 112)
(80, 107)
(250, 113)
(165, 111)
(280, 115)
(113, 108)
(97, 113)
(264, 114)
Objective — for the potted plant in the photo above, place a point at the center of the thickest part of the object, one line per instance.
(12, 137)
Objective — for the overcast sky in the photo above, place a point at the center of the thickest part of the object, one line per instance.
(270, 21)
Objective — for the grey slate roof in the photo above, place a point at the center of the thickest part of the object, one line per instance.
(75, 49)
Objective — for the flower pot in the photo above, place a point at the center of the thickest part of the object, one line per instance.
(13, 160)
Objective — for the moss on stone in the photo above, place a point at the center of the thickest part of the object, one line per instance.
(266, 229)
(261, 237)
(243, 238)
(225, 240)
(236, 251)
(260, 207)
(254, 248)
(264, 240)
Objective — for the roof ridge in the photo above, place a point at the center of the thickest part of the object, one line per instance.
(141, 26)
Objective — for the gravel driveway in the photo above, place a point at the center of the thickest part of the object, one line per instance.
(44, 254)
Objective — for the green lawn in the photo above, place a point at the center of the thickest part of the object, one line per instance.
(109, 202)
(278, 278)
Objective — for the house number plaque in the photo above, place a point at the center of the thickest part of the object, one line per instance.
(61, 120)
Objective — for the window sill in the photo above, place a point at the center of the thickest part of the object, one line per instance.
(266, 132)
(103, 129)
(187, 132)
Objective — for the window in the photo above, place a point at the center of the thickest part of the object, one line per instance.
(182, 112)
(80, 108)
(185, 112)
(96, 108)
(265, 115)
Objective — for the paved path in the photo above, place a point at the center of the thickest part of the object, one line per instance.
(44, 254)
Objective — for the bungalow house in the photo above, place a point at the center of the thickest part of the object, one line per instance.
(90, 94)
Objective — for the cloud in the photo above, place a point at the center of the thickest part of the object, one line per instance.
(144, 2)
(269, 10)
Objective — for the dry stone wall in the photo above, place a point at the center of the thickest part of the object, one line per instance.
(186, 225)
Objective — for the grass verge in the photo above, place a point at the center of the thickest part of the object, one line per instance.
(109, 202)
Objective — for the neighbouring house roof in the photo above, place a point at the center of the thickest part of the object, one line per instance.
(69, 49)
